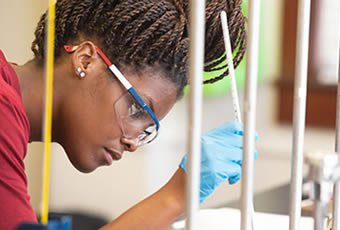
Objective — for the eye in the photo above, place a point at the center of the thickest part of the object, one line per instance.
(134, 109)
(137, 112)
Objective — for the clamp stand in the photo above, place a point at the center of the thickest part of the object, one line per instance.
(60, 223)
(324, 171)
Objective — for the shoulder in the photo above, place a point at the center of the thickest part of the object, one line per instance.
(8, 75)
(14, 126)
(12, 113)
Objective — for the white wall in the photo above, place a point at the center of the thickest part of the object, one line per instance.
(18, 21)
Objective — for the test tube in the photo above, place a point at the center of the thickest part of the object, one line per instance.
(336, 193)
(229, 55)
(196, 63)
(249, 111)
(300, 92)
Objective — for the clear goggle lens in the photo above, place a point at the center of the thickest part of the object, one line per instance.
(135, 121)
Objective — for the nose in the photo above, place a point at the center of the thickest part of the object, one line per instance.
(130, 143)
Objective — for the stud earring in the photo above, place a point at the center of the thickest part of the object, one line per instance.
(81, 74)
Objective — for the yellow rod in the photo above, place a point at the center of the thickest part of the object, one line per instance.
(49, 60)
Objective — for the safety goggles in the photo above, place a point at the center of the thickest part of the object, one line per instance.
(136, 118)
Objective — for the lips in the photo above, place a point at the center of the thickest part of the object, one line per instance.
(114, 154)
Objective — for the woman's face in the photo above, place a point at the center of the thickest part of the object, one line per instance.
(90, 120)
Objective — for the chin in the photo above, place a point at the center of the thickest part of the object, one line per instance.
(84, 166)
(85, 169)
(83, 161)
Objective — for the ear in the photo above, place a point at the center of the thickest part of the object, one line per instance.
(84, 58)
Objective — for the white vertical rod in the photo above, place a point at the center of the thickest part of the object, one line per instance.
(196, 62)
(319, 212)
(249, 111)
(336, 192)
(300, 92)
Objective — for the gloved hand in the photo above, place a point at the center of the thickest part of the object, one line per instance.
(221, 157)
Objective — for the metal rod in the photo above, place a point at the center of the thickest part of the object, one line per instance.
(196, 62)
(47, 123)
(300, 91)
(336, 192)
(249, 111)
(320, 208)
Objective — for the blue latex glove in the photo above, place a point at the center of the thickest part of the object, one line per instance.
(221, 157)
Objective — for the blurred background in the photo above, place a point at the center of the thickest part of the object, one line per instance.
(109, 191)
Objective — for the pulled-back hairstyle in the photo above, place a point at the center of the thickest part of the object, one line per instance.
(139, 33)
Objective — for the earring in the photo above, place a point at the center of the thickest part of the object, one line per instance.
(81, 74)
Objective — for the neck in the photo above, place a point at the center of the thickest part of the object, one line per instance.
(31, 80)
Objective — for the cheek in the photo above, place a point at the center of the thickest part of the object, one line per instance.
(97, 119)
(88, 124)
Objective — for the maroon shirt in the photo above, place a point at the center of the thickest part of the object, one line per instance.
(15, 206)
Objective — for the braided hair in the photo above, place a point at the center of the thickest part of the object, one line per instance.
(146, 33)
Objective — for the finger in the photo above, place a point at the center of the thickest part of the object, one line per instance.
(236, 175)
(233, 180)
(255, 154)
(183, 164)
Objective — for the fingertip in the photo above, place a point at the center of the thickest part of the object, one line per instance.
(183, 164)
(233, 180)
(236, 175)
(240, 133)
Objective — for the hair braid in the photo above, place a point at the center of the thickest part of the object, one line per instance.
(146, 33)
(149, 31)
(170, 37)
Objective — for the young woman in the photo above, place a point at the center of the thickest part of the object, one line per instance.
(97, 116)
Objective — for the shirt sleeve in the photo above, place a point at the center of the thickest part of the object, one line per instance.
(15, 207)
